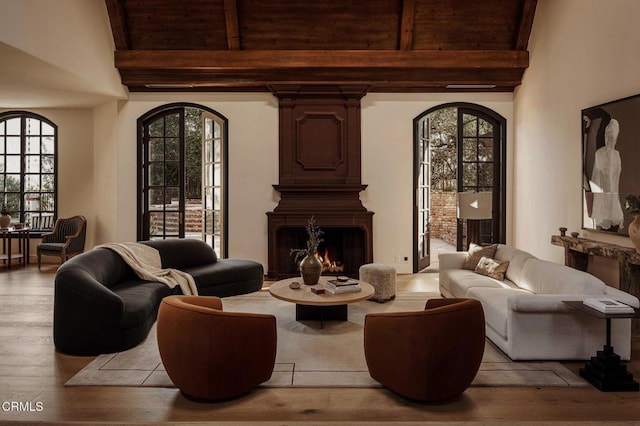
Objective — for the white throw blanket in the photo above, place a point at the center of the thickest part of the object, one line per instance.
(147, 264)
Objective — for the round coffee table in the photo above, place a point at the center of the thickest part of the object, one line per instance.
(318, 307)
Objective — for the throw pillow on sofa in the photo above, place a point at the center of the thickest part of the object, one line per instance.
(476, 252)
(492, 268)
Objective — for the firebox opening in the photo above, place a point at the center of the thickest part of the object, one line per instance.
(342, 251)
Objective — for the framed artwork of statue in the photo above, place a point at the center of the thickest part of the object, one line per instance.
(611, 165)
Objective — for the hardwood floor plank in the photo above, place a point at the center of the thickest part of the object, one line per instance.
(32, 371)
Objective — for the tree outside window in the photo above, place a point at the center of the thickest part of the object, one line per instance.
(28, 167)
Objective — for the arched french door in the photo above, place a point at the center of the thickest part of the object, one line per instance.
(182, 174)
(459, 147)
(29, 168)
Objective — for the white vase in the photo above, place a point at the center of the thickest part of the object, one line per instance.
(5, 221)
(634, 232)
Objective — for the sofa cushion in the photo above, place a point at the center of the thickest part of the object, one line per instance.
(541, 276)
(517, 259)
(459, 281)
(104, 265)
(181, 253)
(141, 300)
(51, 247)
(475, 254)
(228, 277)
(492, 268)
(495, 306)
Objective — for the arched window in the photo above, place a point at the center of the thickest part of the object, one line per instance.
(28, 168)
(459, 147)
(182, 162)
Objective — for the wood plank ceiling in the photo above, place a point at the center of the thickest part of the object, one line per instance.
(386, 45)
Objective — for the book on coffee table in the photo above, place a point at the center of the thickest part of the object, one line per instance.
(339, 283)
(317, 290)
(608, 305)
(343, 289)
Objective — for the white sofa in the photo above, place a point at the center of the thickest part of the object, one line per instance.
(524, 314)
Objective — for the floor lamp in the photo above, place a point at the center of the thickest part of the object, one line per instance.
(474, 207)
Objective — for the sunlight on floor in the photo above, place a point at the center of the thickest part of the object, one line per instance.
(424, 281)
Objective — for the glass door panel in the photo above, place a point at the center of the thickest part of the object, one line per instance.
(423, 193)
(212, 184)
(477, 168)
(163, 216)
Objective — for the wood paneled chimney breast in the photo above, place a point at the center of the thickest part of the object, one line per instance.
(319, 170)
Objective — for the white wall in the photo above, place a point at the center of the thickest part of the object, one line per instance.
(387, 156)
(105, 168)
(387, 164)
(75, 168)
(253, 165)
(582, 53)
(70, 39)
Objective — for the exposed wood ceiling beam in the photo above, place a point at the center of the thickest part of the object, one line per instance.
(526, 22)
(233, 29)
(409, 46)
(172, 84)
(218, 60)
(118, 24)
(406, 24)
(394, 70)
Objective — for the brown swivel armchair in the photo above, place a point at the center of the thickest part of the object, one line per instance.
(214, 355)
(431, 355)
(66, 240)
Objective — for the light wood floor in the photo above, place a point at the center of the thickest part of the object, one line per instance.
(31, 371)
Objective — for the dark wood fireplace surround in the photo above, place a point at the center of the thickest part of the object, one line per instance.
(319, 175)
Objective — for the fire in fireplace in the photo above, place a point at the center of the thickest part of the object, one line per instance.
(329, 265)
(342, 251)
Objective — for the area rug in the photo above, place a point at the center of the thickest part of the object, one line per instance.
(308, 356)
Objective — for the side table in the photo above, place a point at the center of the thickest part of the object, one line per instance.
(8, 236)
(605, 370)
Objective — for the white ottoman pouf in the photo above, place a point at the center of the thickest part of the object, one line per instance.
(383, 279)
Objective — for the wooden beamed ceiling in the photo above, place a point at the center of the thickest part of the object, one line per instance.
(386, 45)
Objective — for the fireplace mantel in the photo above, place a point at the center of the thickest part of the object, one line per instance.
(320, 175)
(578, 250)
(598, 248)
(319, 198)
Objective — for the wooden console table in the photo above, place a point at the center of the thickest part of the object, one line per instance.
(578, 250)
